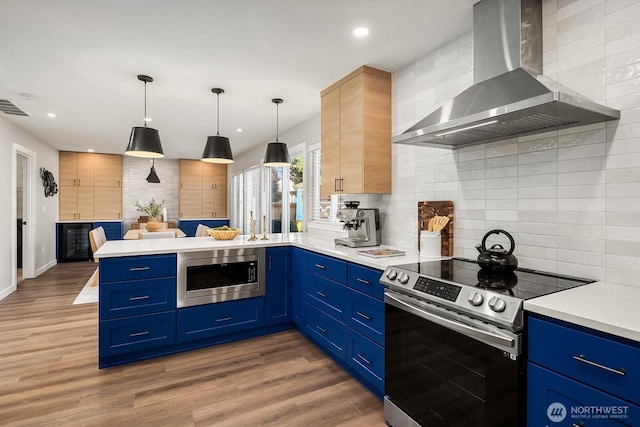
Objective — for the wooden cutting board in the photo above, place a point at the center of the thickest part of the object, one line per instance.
(426, 211)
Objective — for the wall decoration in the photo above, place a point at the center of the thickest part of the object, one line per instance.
(49, 183)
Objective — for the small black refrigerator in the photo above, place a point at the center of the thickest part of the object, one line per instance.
(73, 242)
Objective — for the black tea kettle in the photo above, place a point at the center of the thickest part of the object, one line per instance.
(497, 258)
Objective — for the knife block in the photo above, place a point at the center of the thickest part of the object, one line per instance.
(426, 211)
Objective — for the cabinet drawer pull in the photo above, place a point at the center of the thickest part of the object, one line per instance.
(335, 184)
(139, 298)
(321, 329)
(139, 268)
(366, 282)
(138, 334)
(223, 319)
(364, 359)
(364, 316)
(322, 294)
(582, 359)
(321, 267)
(341, 185)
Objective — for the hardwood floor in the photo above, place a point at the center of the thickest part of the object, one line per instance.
(49, 374)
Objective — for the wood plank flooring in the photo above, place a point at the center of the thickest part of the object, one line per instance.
(49, 374)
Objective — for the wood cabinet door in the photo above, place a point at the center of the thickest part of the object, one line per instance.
(85, 169)
(351, 134)
(376, 141)
(108, 170)
(108, 203)
(330, 145)
(191, 204)
(68, 208)
(85, 203)
(190, 174)
(68, 164)
(214, 190)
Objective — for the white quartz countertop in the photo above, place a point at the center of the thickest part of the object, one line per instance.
(119, 248)
(602, 306)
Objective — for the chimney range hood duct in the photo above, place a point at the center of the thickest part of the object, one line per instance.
(510, 97)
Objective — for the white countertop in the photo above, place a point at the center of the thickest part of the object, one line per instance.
(602, 306)
(118, 248)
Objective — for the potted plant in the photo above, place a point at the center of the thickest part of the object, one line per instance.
(154, 210)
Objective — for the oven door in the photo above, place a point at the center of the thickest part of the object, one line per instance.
(444, 370)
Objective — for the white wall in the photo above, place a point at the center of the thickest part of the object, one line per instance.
(46, 207)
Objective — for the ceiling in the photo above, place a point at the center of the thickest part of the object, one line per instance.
(80, 59)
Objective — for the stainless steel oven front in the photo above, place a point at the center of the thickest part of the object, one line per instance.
(211, 276)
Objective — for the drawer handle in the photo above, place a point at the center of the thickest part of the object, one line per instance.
(139, 268)
(138, 334)
(364, 316)
(139, 298)
(366, 282)
(582, 359)
(321, 329)
(321, 267)
(364, 359)
(322, 294)
(223, 319)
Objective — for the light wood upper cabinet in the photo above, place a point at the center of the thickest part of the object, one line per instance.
(191, 174)
(203, 189)
(108, 170)
(76, 169)
(356, 133)
(108, 203)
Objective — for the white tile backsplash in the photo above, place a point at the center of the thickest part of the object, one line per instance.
(571, 198)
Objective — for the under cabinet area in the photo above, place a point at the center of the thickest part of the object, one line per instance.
(356, 133)
(203, 189)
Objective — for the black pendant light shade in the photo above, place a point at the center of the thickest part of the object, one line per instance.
(277, 153)
(144, 141)
(153, 176)
(218, 148)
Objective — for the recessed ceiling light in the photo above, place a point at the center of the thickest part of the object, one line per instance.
(90, 150)
(361, 32)
(239, 130)
(52, 115)
(148, 119)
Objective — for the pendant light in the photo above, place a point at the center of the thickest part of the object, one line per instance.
(144, 141)
(153, 176)
(217, 149)
(277, 153)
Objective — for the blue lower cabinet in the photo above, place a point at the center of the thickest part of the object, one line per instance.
(132, 298)
(113, 230)
(278, 283)
(366, 358)
(554, 399)
(327, 295)
(189, 226)
(328, 332)
(297, 286)
(137, 267)
(210, 320)
(365, 314)
(137, 333)
(365, 279)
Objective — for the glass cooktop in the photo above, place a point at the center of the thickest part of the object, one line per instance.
(521, 283)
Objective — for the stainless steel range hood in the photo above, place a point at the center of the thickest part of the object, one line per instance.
(510, 97)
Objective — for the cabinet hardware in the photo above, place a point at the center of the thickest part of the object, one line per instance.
(322, 294)
(341, 185)
(581, 358)
(335, 184)
(78, 183)
(364, 316)
(75, 182)
(366, 282)
(269, 262)
(321, 329)
(223, 319)
(139, 268)
(139, 298)
(119, 183)
(320, 266)
(364, 359)
(137, 334)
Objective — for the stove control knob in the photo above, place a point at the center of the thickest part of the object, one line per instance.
(498, 305)
(404, 278)
(475, 298)
(392, 274)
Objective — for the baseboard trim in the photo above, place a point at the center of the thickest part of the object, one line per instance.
(7, 291)
(45, 267)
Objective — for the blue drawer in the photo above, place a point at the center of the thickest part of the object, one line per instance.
(325, 266)
(366, 358)
(137, 267)
(137, 297)
(329, 296)
(328, 332)
(365, 314)
(557, 347)
(365, 280)
(137, 333)
(221, 318)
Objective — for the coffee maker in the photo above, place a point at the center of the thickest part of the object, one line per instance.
(362, 225)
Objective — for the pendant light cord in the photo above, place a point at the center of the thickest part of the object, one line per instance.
(145, 105)
(218, 114)
(277, 120)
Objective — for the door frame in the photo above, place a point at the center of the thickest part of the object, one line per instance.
(28, 211)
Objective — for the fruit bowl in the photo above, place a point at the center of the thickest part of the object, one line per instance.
(226, 234)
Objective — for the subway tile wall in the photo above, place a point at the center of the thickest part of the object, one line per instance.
(570, 198)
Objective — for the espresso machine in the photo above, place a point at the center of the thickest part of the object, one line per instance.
(362, 225)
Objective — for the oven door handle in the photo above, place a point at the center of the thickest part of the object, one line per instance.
(451, 324)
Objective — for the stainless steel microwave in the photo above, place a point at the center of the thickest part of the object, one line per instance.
(206, 277)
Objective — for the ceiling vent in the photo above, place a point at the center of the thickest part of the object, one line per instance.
(7, 107)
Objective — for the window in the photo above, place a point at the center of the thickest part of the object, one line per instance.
(247, 200)
(285, 191)
(323, 208)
